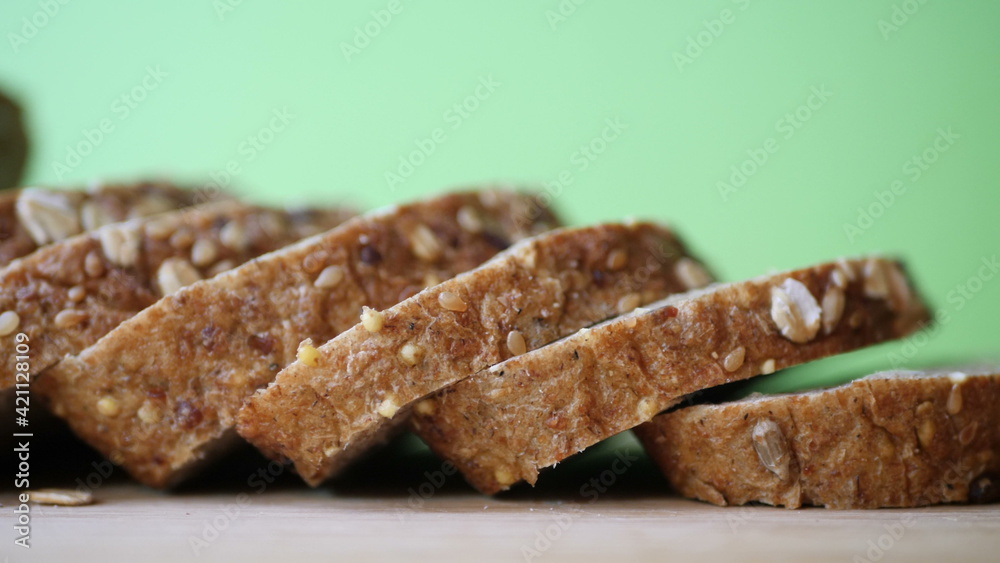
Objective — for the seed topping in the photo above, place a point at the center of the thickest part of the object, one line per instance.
(734, 359)
(452, 302)
(307, 353)
(795, 311)
(424, 243)
(515, 343)
(175, 273)
(9, 321)
(371, 319)
(771, 448)
(692, 274)
(330, 277)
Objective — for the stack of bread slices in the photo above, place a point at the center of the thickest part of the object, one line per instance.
(165, 333)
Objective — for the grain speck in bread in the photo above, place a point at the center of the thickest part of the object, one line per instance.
(191, 360)
(67, 295)
(323, 410)
(34, 217)
(504, 424)
(892, 439)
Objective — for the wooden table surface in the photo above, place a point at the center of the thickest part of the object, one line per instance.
(400, 507)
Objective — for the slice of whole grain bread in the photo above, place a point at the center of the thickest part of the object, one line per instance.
(323, 410)
(34, 217)
(67, 295)
(161, 392)
(503, 424)
(892, 439)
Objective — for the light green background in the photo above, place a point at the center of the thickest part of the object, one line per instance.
(893, 85)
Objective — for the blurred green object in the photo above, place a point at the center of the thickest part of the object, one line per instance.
(13, 143)
(770, 134)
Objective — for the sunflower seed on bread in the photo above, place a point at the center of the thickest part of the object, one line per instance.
(322, 411)
(504, 424)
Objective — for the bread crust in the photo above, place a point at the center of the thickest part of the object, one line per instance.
(14, 238)
(893, 439)
(22, 225)
(540, 290)
(503, 424)
(69, 294)
(179, 371)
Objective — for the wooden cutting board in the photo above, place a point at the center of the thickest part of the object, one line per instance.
(135, 524)
(406, 507)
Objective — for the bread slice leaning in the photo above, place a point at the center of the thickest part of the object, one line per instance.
(31, 218)
(892, 439)
(323, 410)
(505, 423)
(161, 392)
(67, 295)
